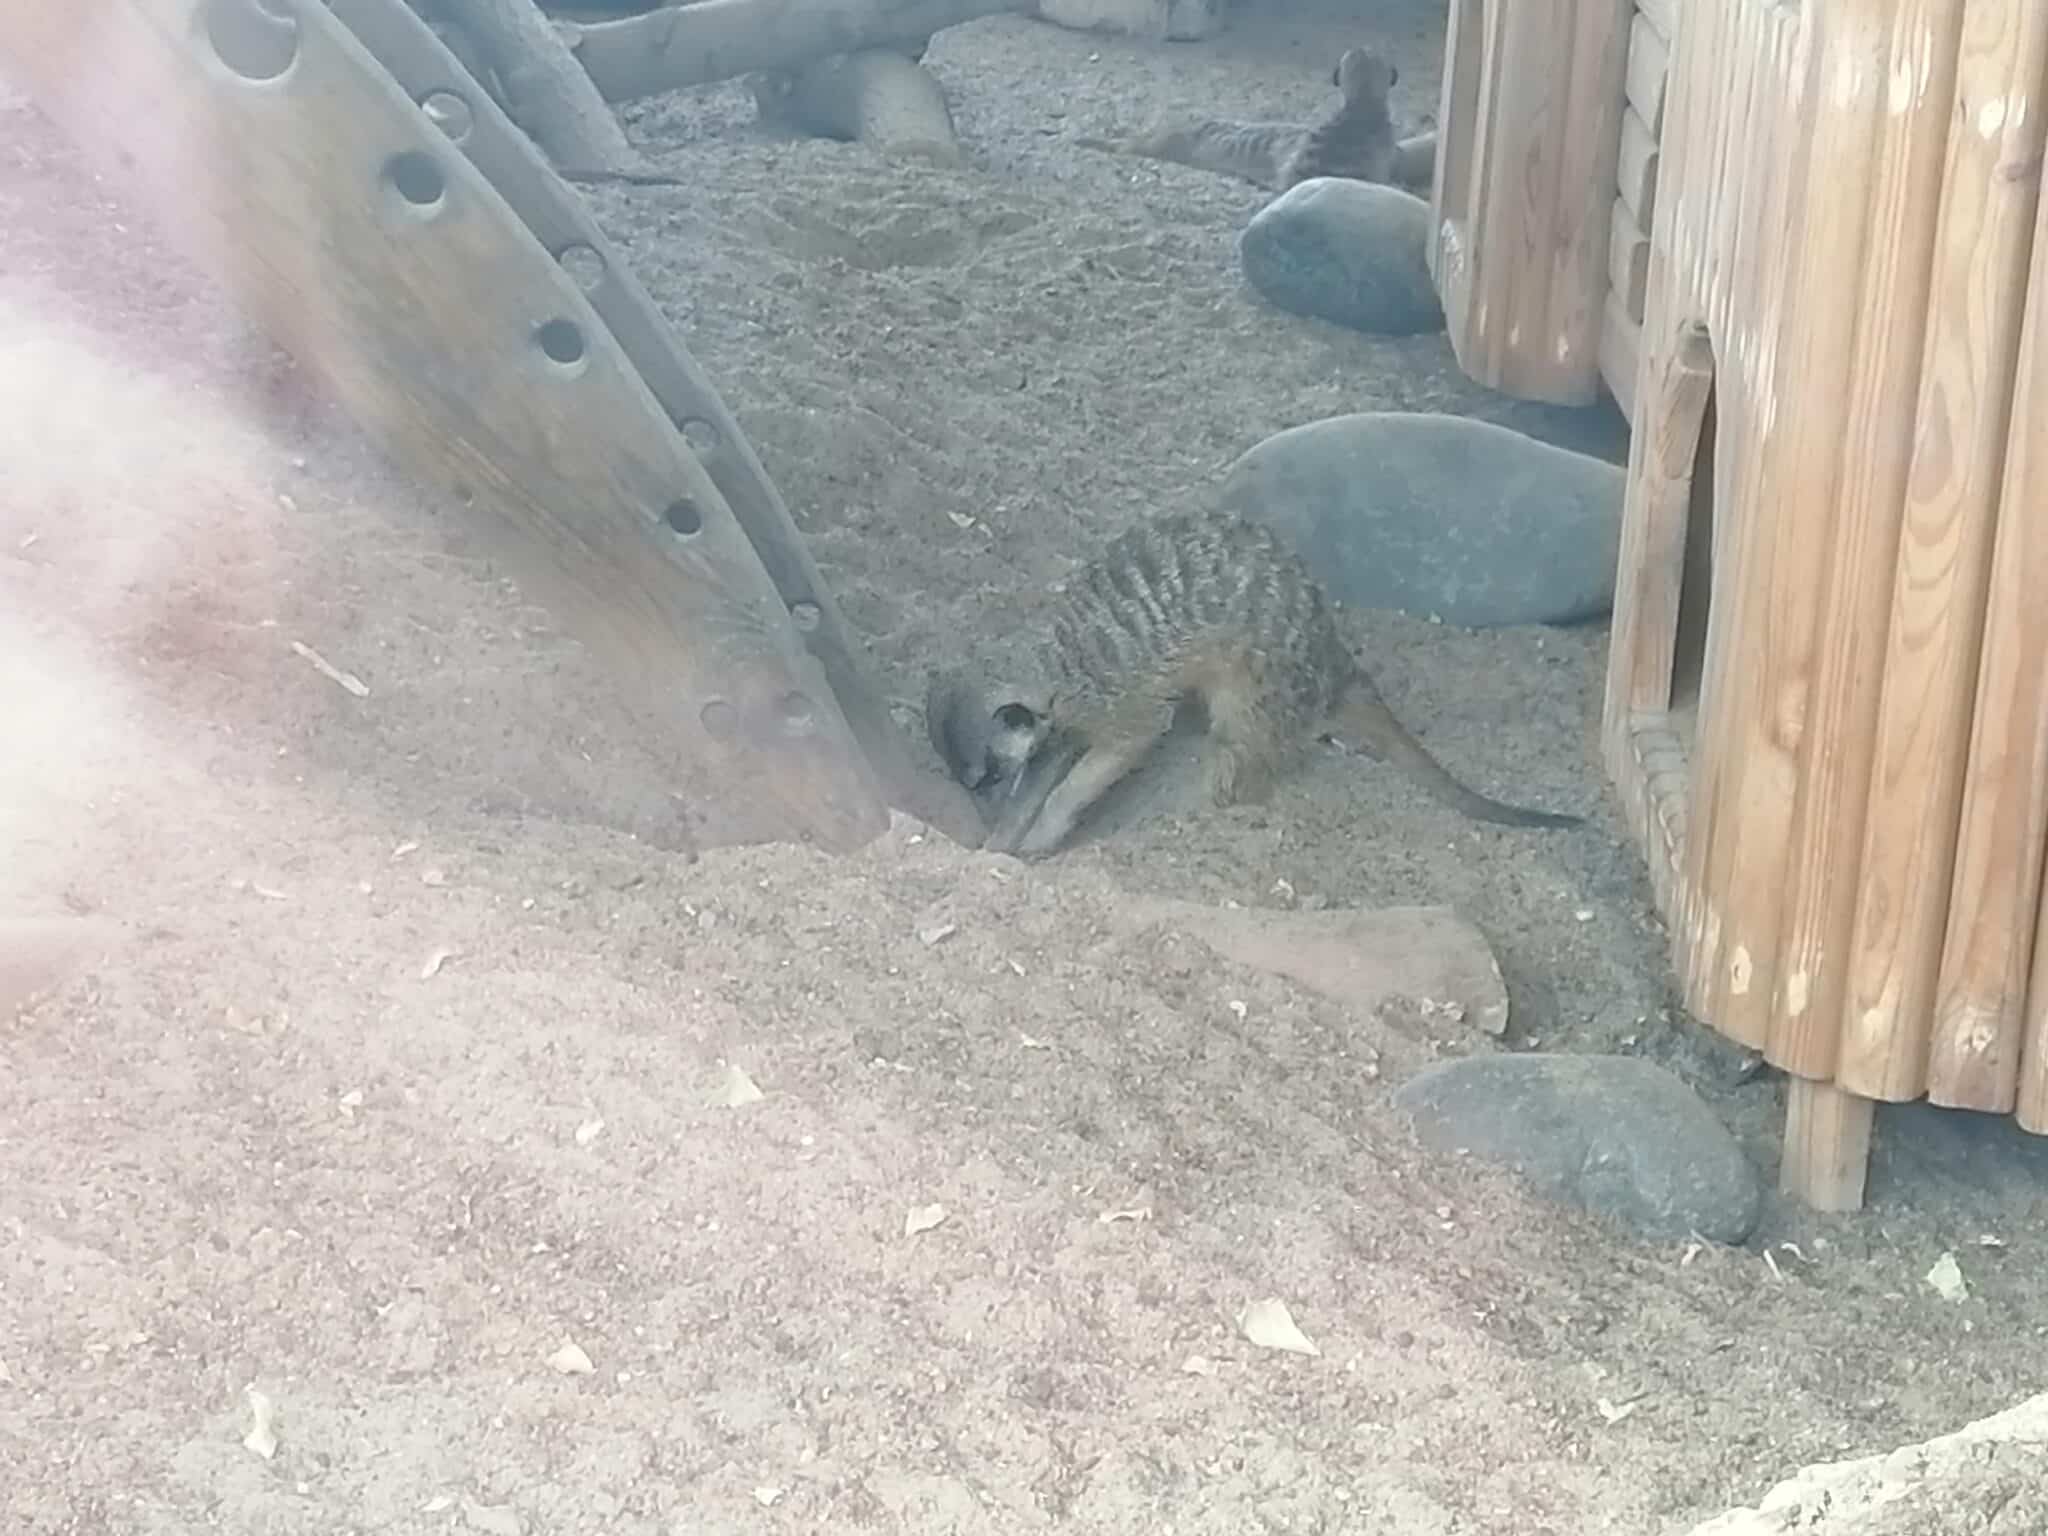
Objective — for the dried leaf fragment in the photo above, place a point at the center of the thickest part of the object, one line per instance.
(1947, 1279)
(570, 1360)
(262, 1436)
(1270, 1325)
(922, 1218)
(738, 1088)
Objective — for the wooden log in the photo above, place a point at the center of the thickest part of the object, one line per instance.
(280, 157)
(1649, 68)
(546, 91)
(1532, 110)
(1979, 1004)
(1854, 582)
(1982, 246)
(1635, 169)
(1827, 1146)
(1628, 260)
(718, 39)
(558, 218)
(1742, 742)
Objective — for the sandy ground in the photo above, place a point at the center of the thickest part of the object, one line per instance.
(404, 1063)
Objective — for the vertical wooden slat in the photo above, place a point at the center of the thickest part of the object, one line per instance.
(1930, 659)
(1855, 590)
(1981, 1010)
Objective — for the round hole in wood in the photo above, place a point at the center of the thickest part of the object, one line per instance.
(414, 177)
(805, 616)
(448, 112)
(583, 264)
(257, 39)
(720, 719)
(702, 436)
(683, 518)
(562, 341)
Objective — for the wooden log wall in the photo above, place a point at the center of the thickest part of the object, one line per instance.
(1529, 133)
(1650, 31)
(1840, 399)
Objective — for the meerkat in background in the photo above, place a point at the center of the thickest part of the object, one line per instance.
(1202, 603)
(1353, 139)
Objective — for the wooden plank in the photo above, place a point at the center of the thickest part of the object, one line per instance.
(1628, 259)
(286, 163)
(1649, 67)
(1854, 587)
(1978, 291)
(1663, 16)
(1636, 169)
(1827, 1146)
(1621, 351)
(1980, 1006)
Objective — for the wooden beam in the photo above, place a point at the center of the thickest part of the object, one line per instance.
(681, 45)
(1827, 1146)
(283, 160)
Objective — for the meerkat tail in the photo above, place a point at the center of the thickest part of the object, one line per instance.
(1364, 716)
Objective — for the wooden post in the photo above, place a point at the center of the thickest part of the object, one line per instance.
(1827, 1145)
(283, 160)
(1529, 132)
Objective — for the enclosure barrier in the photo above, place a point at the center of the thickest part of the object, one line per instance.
(1827, 697)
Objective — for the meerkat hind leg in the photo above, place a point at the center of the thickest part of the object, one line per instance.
(1249, 747)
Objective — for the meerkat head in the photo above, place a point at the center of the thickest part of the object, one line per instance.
(986, 733)
(1363, 74)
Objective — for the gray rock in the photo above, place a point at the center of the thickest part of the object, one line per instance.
(1616, 1135)
(1351, 252)
(1440, 516)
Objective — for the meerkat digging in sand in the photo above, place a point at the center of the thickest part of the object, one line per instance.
(1354, 139)
(1201, 603)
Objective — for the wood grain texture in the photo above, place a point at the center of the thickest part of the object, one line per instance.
(1853, 582)
(1525, 167)
(1978, 291)
(1827, 1146)
(344, 221)
(1979, 1030)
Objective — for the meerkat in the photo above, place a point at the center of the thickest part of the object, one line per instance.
(1354, 139)
(1203, 603)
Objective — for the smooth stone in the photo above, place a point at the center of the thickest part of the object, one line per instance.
(1350, 252)
(1444, 517)
(1615, 1135)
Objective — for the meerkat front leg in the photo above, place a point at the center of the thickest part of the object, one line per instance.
(1098, 772)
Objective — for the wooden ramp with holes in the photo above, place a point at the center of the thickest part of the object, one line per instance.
(338, 171)
(1827, 701)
